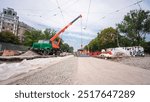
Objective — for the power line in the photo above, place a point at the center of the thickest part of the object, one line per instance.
(70, 4)
(60, 9)
(88, 14)
(64, 6)
(81, 34)
(136, 3)
(49, 10)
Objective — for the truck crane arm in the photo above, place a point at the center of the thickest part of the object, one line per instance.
(56, 45)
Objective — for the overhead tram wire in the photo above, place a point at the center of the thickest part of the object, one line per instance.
(88, 15)
(60, 9)
(81, 33)
(85, 23)
(136, 3)
(70, 4)
(61, 14)
(49, 10)
(41, 16)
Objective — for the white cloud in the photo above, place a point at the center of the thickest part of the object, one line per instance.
(80, 36)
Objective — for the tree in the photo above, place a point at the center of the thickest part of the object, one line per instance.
(147, 47)
(32, 36)
(107, 38)
(124, 41)
(135, 26)
(86, 47)
(93, 45)
(9, 37)
(66, 48)
(48, 33)
(35, 35)
(71, 49)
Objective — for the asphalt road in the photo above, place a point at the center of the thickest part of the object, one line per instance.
(87, 71)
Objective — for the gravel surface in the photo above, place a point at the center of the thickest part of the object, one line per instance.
(103, 72)
(61, 73)
(141, 62)
(87, 71)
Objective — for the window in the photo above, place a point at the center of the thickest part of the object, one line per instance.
(14, 14)
(9, 12)
(5, 12)
(3, 27)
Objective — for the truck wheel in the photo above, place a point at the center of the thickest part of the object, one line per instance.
(44, 52)
(58, 53)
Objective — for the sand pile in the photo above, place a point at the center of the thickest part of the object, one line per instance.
(29, 53)
(8, 70)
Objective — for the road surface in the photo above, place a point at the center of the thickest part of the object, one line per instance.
(86, 71)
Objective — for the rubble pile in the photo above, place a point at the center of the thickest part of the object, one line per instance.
(29, 53)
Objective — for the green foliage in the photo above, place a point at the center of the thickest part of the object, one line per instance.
(135, 26)
(71, 49)
(124, 41)
(48, 33)
(130, 32)
(32, 36)
(35, 35)
(147, 47)
(106, 38)
(66, 48)
(9, 37)
(93, 45)
(86, 47)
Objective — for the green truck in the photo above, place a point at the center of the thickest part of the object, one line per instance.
(42, 47)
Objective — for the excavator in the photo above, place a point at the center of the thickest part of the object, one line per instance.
(46, 47)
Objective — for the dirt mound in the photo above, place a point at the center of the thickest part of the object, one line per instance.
(29, 53)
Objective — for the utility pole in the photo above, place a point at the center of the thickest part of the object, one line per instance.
(117, 38)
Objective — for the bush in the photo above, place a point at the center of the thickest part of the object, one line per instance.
(9, 37)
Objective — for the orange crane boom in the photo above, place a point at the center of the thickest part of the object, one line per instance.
(52, 40)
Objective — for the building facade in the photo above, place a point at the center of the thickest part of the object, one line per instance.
(22, 28)
(9, 21)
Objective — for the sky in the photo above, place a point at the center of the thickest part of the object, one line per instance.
(96, 16)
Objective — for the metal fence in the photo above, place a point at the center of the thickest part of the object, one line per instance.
(8, 46)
